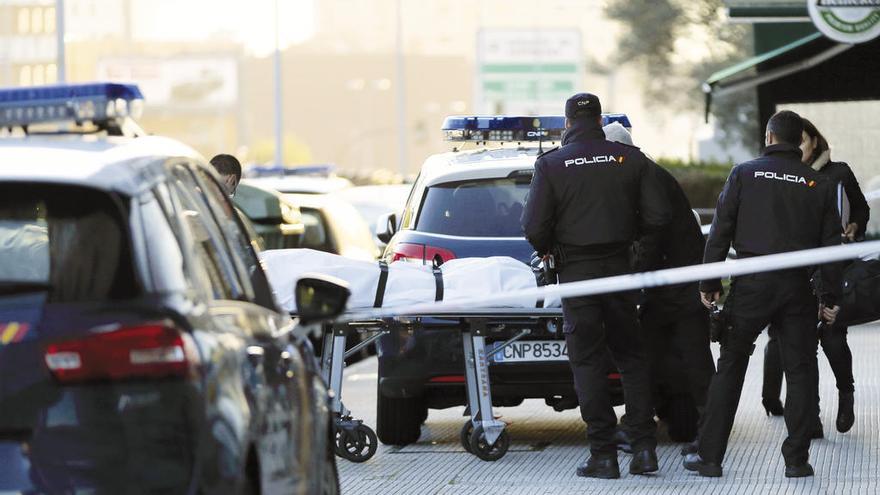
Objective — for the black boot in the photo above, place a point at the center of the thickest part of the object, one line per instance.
(846, 415)
(604, 467)
(798, 470)
(773, 407)
(643, 462)
(693, 462)
(622, 440)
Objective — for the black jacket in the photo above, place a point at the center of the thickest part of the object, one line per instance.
(774, 204)
(592, 193)
(860, 212)
(680, 243)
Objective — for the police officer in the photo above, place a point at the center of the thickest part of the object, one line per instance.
(772, 204)
(587, 202)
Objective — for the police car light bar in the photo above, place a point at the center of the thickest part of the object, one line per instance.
(93, 102)
(512, 128)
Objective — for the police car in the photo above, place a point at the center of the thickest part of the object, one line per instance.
(468, 203)
(141, 349)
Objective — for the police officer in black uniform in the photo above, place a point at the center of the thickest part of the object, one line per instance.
(772, 204)
(587, 203)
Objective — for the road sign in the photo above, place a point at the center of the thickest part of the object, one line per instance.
(527, 72)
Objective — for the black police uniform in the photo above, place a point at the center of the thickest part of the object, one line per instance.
(832, 337)
(772, 204)
(586, 204)
(674, 320)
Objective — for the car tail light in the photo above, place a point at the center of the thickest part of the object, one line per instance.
(152, 350)
(409, 251)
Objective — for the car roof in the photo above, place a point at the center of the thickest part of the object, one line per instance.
(116, 164)
(488, 163)
(302, 184)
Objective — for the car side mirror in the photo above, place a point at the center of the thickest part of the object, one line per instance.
(320, 297)
(386, 227)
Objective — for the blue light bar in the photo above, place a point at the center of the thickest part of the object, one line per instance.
(514, 129)
(94, 102)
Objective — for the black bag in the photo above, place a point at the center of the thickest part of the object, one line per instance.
(860, 301)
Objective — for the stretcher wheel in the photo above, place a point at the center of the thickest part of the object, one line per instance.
(465, 436)
(357, 444)
(481, 448)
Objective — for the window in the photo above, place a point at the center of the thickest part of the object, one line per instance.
(480, 208)
(210, 251)
(51, 74)
(49, 19)
(39, 75)
(24, 76)
(24, 21)
(37, 20)
(239, 243)
(70, 242)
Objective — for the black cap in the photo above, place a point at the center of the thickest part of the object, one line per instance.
(583, 105)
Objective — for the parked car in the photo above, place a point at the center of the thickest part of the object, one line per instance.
(141, 349)
(316, 179)
(275, 219)
(334, 226)
(468, 203)
(373, 202)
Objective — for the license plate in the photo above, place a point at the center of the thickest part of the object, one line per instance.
(530, 351)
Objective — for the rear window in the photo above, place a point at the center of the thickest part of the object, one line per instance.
(69, 242)
(482, 208)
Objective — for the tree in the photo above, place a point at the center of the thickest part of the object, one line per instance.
(652, 34)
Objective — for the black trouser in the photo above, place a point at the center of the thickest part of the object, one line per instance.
(685, 340)
(785, 300)
(836, 348)
(593, 325)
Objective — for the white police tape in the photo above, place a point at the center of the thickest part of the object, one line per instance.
(671, 276)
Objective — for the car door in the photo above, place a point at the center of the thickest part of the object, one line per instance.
(243, 368)
(302, 404)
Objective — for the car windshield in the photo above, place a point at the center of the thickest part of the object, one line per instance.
(67, 241)
(480, 208)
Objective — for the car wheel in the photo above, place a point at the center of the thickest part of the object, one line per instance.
(330, 481)
(399, 421)
(681, 418)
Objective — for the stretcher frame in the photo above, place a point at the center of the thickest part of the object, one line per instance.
(482, 435)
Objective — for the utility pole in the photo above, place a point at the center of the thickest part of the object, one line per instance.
(279, 133)
(59, 30)
(402, 141)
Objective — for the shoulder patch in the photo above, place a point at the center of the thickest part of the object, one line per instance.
(547, 152)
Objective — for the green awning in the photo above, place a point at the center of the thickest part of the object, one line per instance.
(719, 83)
(759, 59)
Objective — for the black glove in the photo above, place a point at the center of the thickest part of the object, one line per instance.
(536, 263)
(719, 324)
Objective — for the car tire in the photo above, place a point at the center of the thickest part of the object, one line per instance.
(330, 481)
(399, 421)
(681, 418)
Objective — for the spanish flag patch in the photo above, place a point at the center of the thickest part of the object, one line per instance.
(13, 332)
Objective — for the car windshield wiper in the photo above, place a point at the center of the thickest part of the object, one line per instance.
(22, 286)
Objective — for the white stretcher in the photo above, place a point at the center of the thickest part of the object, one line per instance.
(405, 284)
